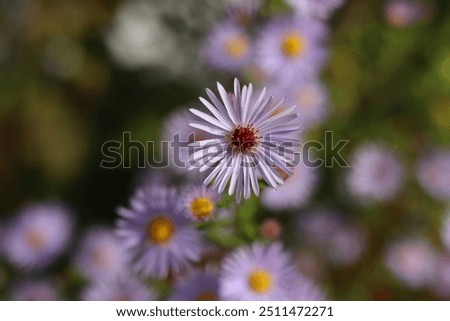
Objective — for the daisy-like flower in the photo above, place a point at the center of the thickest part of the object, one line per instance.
(100, 253)
(198, 287)
(412, 261)
(118, 288)
(347, 243)
(321, 9)
(376, 174)
(434, 174)
(35, 290)
(200, 202)
(37, 235)
(228, 48)
(292, 49)
(295, 192)
(250, 140)
(259, 272)
(156, 233)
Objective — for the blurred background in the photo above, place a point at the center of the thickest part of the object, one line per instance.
(75, 74)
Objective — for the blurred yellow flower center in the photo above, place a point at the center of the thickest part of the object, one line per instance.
(293, 45)
(202, 208)
(237, 46)
(206, 296)
(260, 281)
(35, 239)
(160, 230)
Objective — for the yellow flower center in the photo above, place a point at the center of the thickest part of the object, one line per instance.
(293, 45)
(206, 296)
(160, 230)
(202, 208)
(35, 239)
(237, 46)
(260, 281)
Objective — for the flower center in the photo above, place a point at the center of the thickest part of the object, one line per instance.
(202, 208)
(293, 45)
(243, 138)
(206, 296)
(260, 281)
(35, 239)
(237, 46)
(160, 230)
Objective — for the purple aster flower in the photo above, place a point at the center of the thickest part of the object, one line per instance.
(292, 49)
(295, 192)
(434, 174)
(200, 202)
(311, 99)
(346, 244)
(242, 12)
(198, 287)
(100, 253)
(155, 232)
(179, 134)
(317, 225)
(37, 235)
(402, 13)
(376, 174)
(249, 140)
(321, 9)
(228, 47)
(412, 261)
(35, 290)
(259, 272)
(118, 288)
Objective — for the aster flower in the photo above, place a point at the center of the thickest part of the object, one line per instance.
(259, 272)
(433, 172)
(295, 192)
(376, 174)
(154, 231)
(119, 288)
(249, 140)
(198, 287)
(35, 290)
(292, 49)
(38, 235)
(321, 9)
(228, 47)
(200, 202)
(100, 253)
(317, 225)
(347, 244)
(412, 261)
(401, 13)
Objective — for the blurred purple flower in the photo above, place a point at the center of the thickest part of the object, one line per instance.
(376, 174)
(200, 202)
(228, 47)
(306, 290)
(445, 231)
(402, 13)
(37, 235)
(197, 287)
(347, 243)
(259, 272)
(242, 12)
(292, 49)
(411, 260)
(118, 288)
(155, 232)
(100, 254)
(440, 283)
(433, 172)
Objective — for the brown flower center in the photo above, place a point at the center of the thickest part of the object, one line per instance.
(243, 139)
